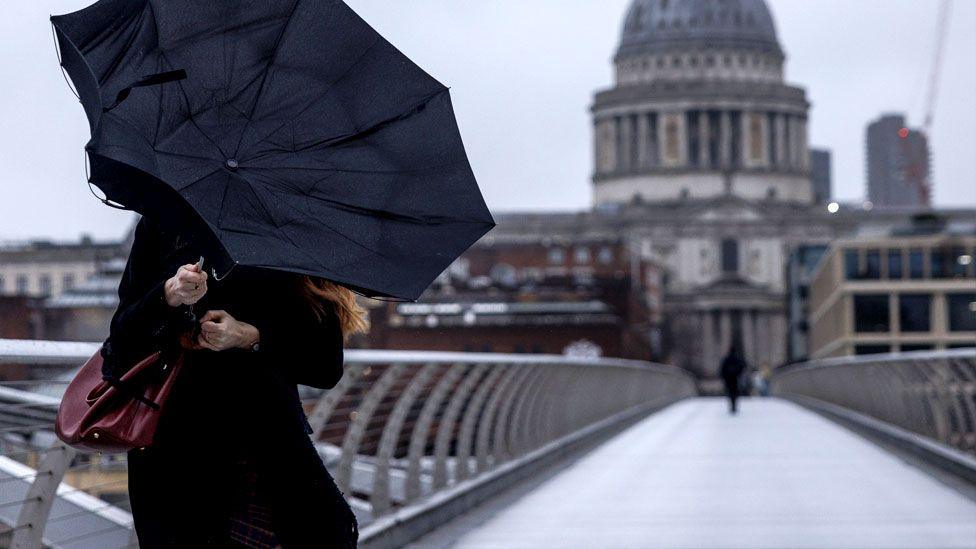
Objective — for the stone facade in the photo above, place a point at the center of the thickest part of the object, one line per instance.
(700, 109)
(702, 166)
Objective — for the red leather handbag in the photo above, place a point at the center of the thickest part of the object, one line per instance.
(116, 416)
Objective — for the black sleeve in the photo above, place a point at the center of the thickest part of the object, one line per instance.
(309, 350)
(143, 322)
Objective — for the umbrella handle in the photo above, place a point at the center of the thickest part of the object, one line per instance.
(213, 271)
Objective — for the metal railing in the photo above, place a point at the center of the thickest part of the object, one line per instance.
(398, 428)
(930, 393)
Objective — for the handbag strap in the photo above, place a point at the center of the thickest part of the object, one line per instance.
(130, 392)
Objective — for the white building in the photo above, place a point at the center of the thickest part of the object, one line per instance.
(702, 165)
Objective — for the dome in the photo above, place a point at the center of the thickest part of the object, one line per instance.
(666, 25)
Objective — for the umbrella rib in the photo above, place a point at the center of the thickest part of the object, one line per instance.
(314, 101)
(189, 110)
(280, 229)
(188, 185)
(322, 221)
(345, 170)
(264, 79)
(368, 130)
(110, 69)
(220, 215)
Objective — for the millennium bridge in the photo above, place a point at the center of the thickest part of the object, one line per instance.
(522, 451)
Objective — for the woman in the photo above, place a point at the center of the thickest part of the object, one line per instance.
(232, 464)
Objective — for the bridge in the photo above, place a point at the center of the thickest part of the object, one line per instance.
(508, 451)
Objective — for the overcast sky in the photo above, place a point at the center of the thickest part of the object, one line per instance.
(523, 73)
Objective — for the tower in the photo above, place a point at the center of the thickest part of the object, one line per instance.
(700, 109)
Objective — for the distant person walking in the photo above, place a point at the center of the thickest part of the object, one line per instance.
(732, 367)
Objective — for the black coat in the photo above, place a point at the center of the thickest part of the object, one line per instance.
(233, 437)
(732, 367)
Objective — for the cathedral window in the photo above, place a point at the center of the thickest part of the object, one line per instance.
(672, 144)
(756, 136)
(730, 256)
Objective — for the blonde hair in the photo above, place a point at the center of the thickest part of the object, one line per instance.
(353, 318)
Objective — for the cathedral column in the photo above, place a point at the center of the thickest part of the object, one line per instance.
(748, 337)
(709, 362)
(610, 140)
(745, 155)
(599, 146)
(792, 154)
(765, 339)
(704, 134)
(725, 140)
(643, 141)
(725, 329)
(801, 130)
(626, 143)
(780, 140)
(777, 339)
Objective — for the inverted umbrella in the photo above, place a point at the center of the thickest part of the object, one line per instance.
(287, 133)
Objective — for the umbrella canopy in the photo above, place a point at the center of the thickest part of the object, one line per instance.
(286, 133)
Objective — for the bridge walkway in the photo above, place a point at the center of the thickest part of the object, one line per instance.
(692, 476)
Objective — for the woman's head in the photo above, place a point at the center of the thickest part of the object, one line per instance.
(321, 293)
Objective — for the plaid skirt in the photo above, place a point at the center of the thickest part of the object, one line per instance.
(250, 523)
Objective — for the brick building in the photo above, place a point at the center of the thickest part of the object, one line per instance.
(582, 296)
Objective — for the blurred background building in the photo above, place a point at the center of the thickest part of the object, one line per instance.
(898, 163)
(911, 290)
(711, 216)
(821, 175)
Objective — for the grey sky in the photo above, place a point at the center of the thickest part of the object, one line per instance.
(523, 73)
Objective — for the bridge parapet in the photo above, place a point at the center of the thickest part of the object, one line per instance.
(403, 432)
(929, 393)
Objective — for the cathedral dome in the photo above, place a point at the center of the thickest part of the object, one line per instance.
(653, 26)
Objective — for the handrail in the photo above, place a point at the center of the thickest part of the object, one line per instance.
(841, 361)
(929, 393)
(23, 351)
(400, 427)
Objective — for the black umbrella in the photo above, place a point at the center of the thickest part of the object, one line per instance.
(288, 132)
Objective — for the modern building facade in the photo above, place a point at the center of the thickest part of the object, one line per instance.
(898, 163)
(911, 290)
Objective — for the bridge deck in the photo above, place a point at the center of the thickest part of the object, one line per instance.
(775, 476)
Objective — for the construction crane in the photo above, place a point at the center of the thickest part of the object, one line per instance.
(917, 165)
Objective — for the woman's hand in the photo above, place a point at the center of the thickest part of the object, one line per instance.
(187, 286)
(219, 331)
